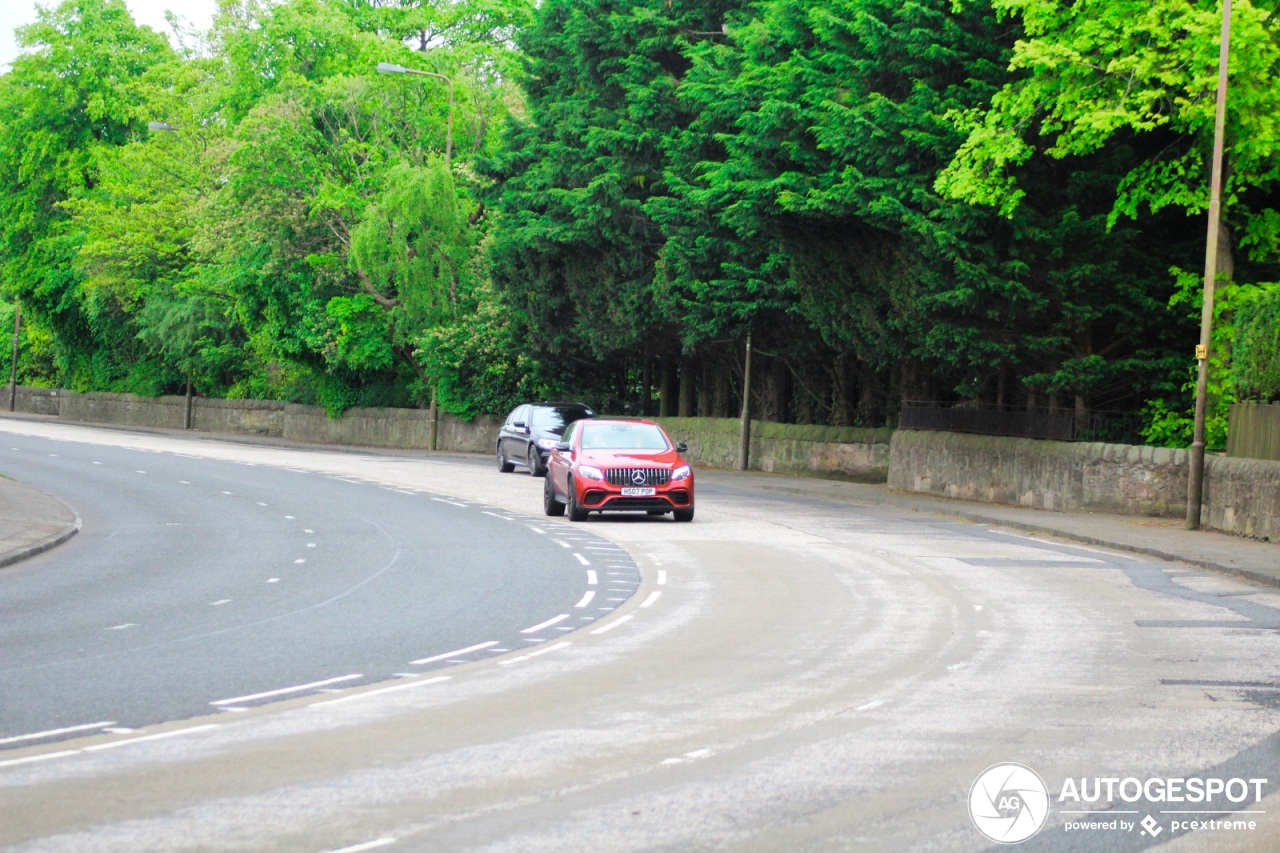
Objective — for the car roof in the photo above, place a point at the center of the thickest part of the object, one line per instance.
(606, 421)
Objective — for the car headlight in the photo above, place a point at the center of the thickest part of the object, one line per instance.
(546, 443)
(680, 473)
(590, 472)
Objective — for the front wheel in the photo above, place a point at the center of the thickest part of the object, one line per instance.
(684, 514)
(550, 505)
(503, 465)
(576, 513)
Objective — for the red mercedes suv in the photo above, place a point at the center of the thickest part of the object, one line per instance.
(617, 466)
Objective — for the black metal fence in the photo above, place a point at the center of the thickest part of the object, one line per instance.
(1060, 425)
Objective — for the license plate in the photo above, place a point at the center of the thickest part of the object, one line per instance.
(643, 492)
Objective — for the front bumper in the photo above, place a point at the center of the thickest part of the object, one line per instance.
(604, 498)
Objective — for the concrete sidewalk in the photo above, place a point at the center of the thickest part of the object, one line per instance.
(31, 521)
(1165, 538)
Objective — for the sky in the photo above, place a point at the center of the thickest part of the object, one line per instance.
(15, 13)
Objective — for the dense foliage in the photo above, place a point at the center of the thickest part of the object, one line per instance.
(977, 201)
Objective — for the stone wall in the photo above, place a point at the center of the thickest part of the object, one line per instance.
(856, 454)
(392, 428)
(1242, 496)
(1053, 475)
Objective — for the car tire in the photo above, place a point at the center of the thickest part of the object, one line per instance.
(684, 514)
(535, 462)
(503, 465)
(550, 505)
(575, 512)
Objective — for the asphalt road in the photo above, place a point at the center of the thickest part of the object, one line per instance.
(791, 674)
(201, 586)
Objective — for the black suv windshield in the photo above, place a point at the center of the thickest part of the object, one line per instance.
(557, 417)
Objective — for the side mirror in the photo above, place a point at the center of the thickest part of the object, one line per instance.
(564, 447)
(681, 447)
(520, 425)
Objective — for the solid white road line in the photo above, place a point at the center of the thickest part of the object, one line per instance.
(547, 624)
(366, 694)
(586, 599)
(162, 736)
(368, 845)
(56, 732)
(614, 624)
(456, 653)
(299, 688)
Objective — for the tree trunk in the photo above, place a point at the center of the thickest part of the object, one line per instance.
(688, 387)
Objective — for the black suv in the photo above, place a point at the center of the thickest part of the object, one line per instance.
(532, 430)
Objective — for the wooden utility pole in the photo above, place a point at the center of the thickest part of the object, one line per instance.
(1195, 477)
(744, 446)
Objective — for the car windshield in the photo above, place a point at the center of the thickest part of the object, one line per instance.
(623, 437)
(557, 417)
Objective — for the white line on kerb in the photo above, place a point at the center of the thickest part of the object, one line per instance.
(162, 736)
(582, 559)
(284, 690)
(31, 759)
(586, 599)
(368, 845)
(456, 653)
(662, 578)
(547, 624)
(380, 691)
(55, 732)
(510, 661)
(613, 625)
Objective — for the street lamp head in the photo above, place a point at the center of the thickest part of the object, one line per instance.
(389, 68)
(160, 125)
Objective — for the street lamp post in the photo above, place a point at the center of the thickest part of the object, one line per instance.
(1195, 477)
(389, 68)
(13, 365)
(165, 127)
(433, 439)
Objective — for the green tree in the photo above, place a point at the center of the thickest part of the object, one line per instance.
(75, 94)
(1094, 76)
(1256, 362)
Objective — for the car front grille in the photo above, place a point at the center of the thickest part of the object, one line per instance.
(638, 476)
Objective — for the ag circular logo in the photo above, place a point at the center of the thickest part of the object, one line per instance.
(1009, 803)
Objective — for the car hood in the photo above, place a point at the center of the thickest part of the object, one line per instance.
(630, 458)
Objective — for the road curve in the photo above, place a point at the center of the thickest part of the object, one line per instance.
(790, 675)
(202, 586)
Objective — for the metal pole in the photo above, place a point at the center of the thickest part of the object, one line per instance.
(433, 423)
(13, 366)
(1195, 477)
(391, 68)
(744, 447)
(186, 416)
